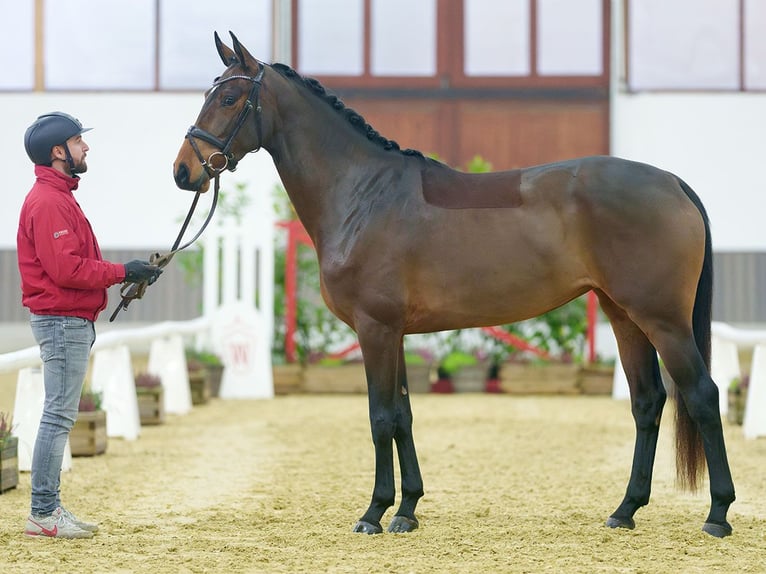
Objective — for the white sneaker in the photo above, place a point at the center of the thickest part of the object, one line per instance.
(89, 526)
(57, 525)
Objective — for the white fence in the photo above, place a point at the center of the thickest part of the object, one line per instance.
(237, 324)
(724, 367)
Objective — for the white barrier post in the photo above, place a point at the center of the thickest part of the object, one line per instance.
(724, 366)
(754, 423)
(167, 360)
(112, 376)
(27, 411)
(620, 389)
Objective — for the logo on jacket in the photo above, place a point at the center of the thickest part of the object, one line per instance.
(57, 234)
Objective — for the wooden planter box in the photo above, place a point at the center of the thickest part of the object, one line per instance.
(544, 379)
(151, 405)
(470, 379)
(287, 378)
(9, 464)
(88, 436)
(595, 380)
(199, 385)
(214, 375)
(737, 401)
(349, 378)
(419, 378)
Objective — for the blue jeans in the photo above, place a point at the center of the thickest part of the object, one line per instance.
(65, 344)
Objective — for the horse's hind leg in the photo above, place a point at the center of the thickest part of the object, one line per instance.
(697, 418)
(647, 396)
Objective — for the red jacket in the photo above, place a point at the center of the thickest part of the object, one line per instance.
(62, 272)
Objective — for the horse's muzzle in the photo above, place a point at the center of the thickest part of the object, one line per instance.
(182, 176)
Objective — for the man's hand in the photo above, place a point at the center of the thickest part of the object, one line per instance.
(138, 271)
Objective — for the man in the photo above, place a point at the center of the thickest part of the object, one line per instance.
(63, 283)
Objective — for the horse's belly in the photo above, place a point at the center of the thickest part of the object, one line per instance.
(488, 299)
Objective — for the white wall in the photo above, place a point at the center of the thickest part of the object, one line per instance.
(716, 142)
(128, 193)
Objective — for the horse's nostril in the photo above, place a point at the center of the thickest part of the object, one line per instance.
(182, 175)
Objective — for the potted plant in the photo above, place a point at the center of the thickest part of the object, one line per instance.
(596, 378)
(150, 395)
(560, 333)
(335, 375)
(212, 365)
(737, 399)
(462, 365)
(418, 365)
(88, 436)
(9, 454)
(199, 381)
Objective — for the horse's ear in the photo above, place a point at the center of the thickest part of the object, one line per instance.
(244, 56)
(228, 57)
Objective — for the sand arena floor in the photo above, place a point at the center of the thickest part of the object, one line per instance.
(513, 484)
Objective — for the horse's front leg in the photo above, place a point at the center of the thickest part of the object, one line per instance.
(412, 480)
(380, 348)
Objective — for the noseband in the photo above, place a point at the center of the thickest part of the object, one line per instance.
(224, 147)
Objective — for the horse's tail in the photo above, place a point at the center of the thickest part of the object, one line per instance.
(690, 456)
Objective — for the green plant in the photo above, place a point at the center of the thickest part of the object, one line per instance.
(456, 360)
(89, 401)
(204, 357)
(6, 426)
(738, 385)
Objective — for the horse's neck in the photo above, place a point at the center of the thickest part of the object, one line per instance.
(320, 169)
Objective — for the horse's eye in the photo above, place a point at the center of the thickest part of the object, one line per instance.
(228, 101)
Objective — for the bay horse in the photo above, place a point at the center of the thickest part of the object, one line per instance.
(409, 245)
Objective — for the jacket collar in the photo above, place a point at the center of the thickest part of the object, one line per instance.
(56, 179)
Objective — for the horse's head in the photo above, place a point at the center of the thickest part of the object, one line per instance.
(229, 124)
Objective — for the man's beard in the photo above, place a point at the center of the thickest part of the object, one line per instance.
(80, 167)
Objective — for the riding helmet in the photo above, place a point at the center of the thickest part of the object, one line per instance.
(49, 130)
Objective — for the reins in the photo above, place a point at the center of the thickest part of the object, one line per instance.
(131, 291)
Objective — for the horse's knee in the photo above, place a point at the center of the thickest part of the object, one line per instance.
(383, 427)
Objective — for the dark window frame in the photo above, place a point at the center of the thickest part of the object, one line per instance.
(450, 51)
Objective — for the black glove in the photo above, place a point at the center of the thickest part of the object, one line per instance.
(137, 271)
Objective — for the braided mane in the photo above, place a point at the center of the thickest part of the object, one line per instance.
(354, 118)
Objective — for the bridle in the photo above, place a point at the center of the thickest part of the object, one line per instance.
(131, 291)
(224, 147)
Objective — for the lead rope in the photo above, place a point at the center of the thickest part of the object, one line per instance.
(130, 291)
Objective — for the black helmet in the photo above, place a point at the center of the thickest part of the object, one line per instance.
(47, 131)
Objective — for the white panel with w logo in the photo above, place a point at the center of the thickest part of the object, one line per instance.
(239, 298)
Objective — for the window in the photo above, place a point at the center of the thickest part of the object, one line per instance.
(696, 45)
(103, 44)
(403, 38)
(126, 44)
(17, 46)
(569, 38)
(497, 38)
(366, 38)
(453, 43)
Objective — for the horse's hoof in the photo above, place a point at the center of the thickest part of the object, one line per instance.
(717, 530)
(403, 524)
(615, 522)
(366, 528)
